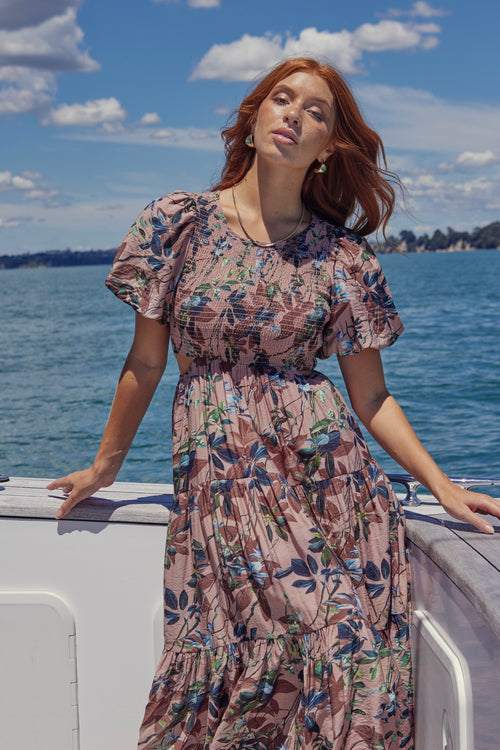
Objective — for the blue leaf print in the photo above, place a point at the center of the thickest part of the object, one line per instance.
(403, 633)
(316, 545)
(333, 440)
(312, 699)
(240, 630)
(353, 647)
(311, 724)
(217, 462)
(330, 467)
(216, 440)
(170, 598)
(155, 262)
(345, 631)
(370, 278)
(371, 571)
(300, 568)
(171, 617)
(375, 589)
(283, 573)
(200, 558)
(177, 217)
(228, 455)
(305, 583)
(313, 565)
(213, 711)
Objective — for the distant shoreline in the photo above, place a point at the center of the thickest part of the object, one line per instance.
(64, 258)
(57, 258)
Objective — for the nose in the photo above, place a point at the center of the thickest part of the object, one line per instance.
(292, 116)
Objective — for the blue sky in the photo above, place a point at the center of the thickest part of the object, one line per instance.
(105, 105)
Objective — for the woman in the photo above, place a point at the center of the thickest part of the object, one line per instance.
(286, 577)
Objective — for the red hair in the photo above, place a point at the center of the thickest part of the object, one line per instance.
(354, 184)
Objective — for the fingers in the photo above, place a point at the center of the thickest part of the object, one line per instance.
(62, 484)
(67, 505)
(77, 487)
(467, 503)
(479, 523)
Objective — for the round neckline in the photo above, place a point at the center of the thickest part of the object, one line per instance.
(246, 240)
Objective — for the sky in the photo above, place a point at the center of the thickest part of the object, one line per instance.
(106, 104)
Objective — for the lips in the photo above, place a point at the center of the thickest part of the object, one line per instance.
(285, 136)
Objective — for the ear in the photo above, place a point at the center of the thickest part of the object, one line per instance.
(327, 151)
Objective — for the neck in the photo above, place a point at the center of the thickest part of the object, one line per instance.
(272, 193)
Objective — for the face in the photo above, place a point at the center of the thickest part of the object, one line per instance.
(295, 122)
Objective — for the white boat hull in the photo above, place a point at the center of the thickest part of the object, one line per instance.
(81, 621)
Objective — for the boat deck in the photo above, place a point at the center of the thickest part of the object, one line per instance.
(469, 558)
(95, 578)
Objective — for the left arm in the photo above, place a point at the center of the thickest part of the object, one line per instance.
(384, 419)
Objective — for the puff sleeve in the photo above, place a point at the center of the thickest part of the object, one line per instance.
(363, 314)
(148, 263)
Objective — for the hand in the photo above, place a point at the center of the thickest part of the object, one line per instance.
(79, 485)
(464, 505)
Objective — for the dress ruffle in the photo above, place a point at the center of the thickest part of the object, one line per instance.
(316, 690)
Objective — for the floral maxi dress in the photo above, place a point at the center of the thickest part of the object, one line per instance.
(286, 577)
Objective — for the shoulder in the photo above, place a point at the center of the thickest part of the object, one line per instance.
(172, 215)
(347, 248)
(171, 207)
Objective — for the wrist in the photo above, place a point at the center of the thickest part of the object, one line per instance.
(440, 487)
(106, 468)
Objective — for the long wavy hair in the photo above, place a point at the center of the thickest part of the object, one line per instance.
(356, 188)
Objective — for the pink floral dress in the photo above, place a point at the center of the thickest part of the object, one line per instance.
(286, 575)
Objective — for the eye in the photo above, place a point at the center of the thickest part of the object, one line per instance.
(317, 114)
(280, 99)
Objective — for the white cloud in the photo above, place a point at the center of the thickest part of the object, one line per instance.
(246, 58)
(31, 175)
(53, 45)
(476, 160)
(112, 127)
(150, 118)
(164, 133)
(93, 112)
(429, 186)
(424, 10)
(337, 47)
(37, 41)
(430, 42)
(15, 14)
(204, 3)
(419, 9)
(190, 138)
(14, 222)
(386, 35)
(241, 60)
(413, 119)
(8, 181)
(429, 194)
(26, 183)
(25, 90)
(51, 198)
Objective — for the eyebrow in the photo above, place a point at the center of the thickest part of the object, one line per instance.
(288, 90)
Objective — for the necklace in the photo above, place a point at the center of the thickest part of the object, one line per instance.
(266, 244)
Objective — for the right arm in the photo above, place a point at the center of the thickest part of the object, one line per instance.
(138, 381)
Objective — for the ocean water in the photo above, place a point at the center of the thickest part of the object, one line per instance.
(64, 338)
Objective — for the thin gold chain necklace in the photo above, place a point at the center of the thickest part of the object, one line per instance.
(266, 244)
